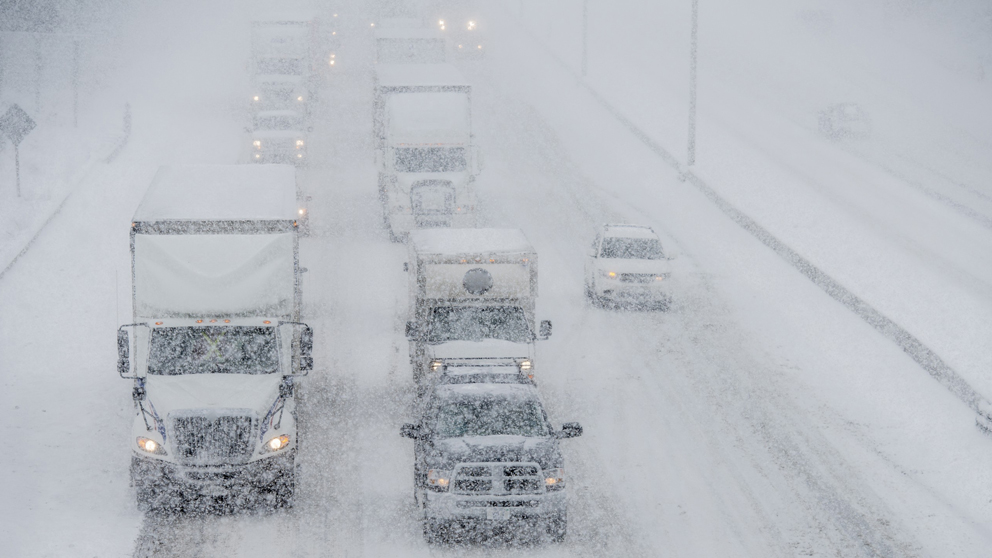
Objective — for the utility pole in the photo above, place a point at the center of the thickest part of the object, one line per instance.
(585, 36)
(691, 160)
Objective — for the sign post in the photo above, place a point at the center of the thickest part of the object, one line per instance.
(16, 124)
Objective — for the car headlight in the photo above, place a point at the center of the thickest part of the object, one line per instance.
(608, 274)
(471, 25)
(255, 98)
(299, 144)
(526, 365)
(150, 446)
(438, 479)
(277, 443)
(257, 144)
(436, 365)
(554, 479)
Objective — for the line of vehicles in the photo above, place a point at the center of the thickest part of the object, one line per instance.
(216, 348)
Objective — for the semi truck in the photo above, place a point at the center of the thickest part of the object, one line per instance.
(216, 349)
(284, 46)
(473, 295)
(424, 151)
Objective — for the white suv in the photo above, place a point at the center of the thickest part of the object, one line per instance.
(626, 264)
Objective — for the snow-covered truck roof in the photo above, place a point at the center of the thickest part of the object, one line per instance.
(419, 75)
(220, 193)
(458, 242)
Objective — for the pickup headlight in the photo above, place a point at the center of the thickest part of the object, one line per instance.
(150, 446)
(438, 480)
(436, 365)
(526, 365)
(608, 274)
(257, 144)
(276, 444)
(554, 479)
(299, 144)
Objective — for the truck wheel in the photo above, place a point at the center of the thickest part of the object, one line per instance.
(558, 527)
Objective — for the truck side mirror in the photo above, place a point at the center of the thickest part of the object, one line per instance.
(411, 431)
(306, 349)
(132, 350)
(570, 430)
(545, 329)
(123, 353)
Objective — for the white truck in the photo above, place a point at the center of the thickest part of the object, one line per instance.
(427, 162)
(216, 347)
(282, 47)
(473, 295)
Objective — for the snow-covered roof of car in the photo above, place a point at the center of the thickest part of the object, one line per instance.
(407, 33)
(220, 193)
(429, 75)
(470, 241)
(280, 112)
(527, 391)
(629, 231)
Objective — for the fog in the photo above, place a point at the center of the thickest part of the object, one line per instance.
(789, 357)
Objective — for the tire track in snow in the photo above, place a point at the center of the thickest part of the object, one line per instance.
(925, 357)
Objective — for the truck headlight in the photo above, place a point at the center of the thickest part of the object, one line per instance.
(526, 365)
(299, 144)
(255, 98)
(150, 446)
(554, 479)
(608, 274)
(277, 443)
(471, 25)
(438, 479)
(257, 144)
(436, 365)
(300, 98)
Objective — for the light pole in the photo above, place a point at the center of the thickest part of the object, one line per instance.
(691, 160)
(585, 36)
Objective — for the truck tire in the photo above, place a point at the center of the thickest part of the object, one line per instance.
(558, 527)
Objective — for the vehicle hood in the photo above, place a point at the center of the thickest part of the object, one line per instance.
(212, 391)
(405, 180)
(633, 266)
(489, 348)
(277, 134)
(486, 449)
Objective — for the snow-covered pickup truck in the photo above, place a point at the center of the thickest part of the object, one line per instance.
(473, 295)
(487, 460)
(215, 348)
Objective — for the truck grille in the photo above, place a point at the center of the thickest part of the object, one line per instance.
(213, 440)
(638, 277)
(498, 479)
(433, 202)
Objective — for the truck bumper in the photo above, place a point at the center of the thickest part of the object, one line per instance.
(157, 477)
(487, 511)
(633, 293)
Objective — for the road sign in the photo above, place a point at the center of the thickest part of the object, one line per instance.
(16, 124)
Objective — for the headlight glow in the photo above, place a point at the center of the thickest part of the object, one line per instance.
(300, 98)
(554, 479)
(438, 479)
(436, 365)
(255, 97)
(526, 365)
(608, 274)
(299, 144)
(277, 443)
(257, 144)
(150, 446)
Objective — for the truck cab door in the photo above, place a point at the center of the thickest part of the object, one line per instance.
(132, 350)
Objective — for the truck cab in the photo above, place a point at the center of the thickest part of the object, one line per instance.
(473, 295)
(215, 351)
(279, 136)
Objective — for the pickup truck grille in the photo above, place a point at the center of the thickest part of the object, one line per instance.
(508, 479)
(213, 440)
(638, 277)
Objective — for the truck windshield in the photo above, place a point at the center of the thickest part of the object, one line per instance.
(454, 323)
(491, 416)
(430, 159)
(213, 350)
(632, 248)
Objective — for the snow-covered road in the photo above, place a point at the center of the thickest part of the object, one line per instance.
(758, 418)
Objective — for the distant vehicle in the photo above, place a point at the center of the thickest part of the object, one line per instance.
(215, 350)
(460, 22)
(279, 92)
(279, 136)
(424, 147)
(487, 461)
(286, 46)
(626, 264)
(473, 298)
(845, 121)
(410, 46)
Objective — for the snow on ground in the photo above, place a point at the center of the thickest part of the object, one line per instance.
(758, 418)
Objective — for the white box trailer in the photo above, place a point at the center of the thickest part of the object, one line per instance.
(286, 45)
(473, 295)
(425, 155)
(215, 345)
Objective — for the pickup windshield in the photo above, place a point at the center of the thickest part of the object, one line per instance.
(430, 159)
(491, 416)
(632, 248)
(453, 323)
(213, 350)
